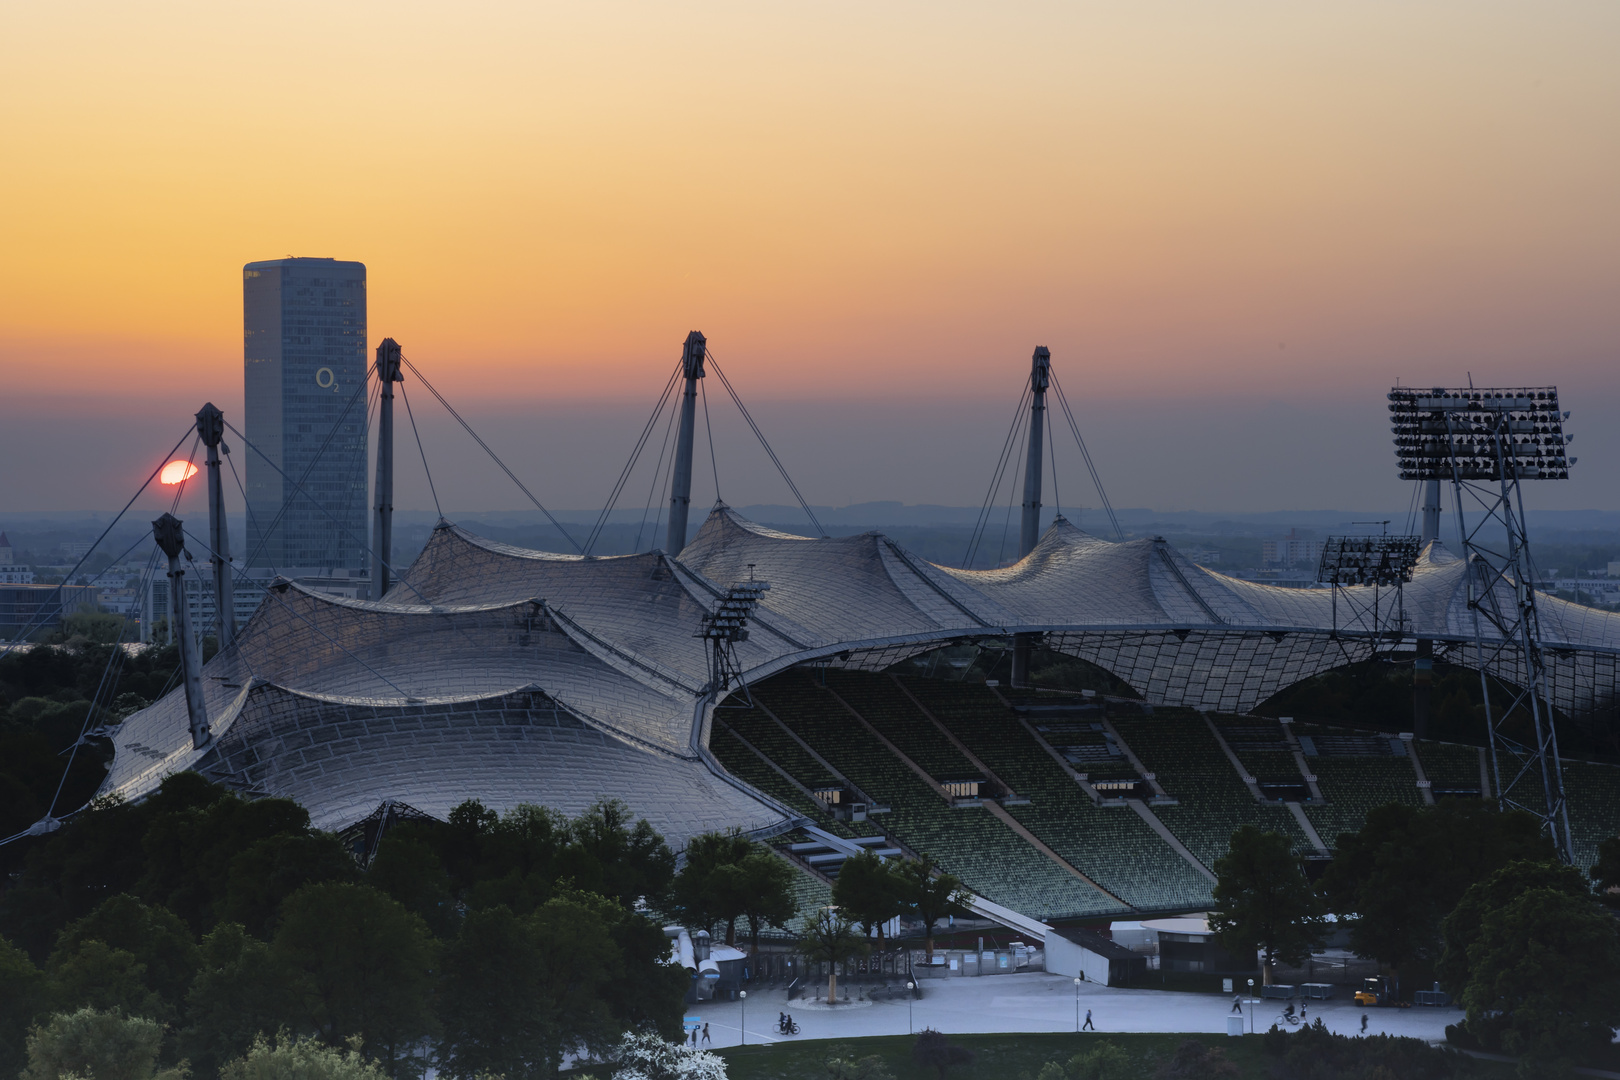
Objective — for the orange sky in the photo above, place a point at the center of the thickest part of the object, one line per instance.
(847, 198)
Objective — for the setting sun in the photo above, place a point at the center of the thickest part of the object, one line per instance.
(176, 472)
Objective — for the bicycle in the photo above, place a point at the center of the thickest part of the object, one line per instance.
(1292, 1019)
(787, 1027)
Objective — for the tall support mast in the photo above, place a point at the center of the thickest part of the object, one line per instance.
(1431, 512)
(211, 427)
(1423, 664)
(1485, 442)
(1040, 376)
(1029, 528)
(680, 484)
(382, 531)
(169, 532)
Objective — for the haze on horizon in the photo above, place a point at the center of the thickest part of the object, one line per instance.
(1235, 227)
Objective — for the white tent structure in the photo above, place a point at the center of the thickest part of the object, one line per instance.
(508, 675)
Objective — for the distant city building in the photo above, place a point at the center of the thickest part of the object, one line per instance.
(1203, 556)
(1614, 569)
(28, 610)
(10, 572)
(248, 593)
(305, 375)
(1291, 550)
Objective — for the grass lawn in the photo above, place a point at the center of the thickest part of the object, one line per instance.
(998, 1056)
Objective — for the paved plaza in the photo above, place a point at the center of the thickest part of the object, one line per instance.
(1040, 1002)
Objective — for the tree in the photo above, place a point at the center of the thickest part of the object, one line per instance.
(712, 887)
(620, 857)
(1264, 902)
(408, 869)
(1461, 929)
(827, 937)
(1606, 871)
(272, 869)
(360, 964)
(767, 894)
(125, 954)
(933, 1050)
(1407, 867)
(22, 988)
(1544, 977)
(929, 894)
(870, 1067)
(304, 1059)
(868, 890)
(97, 1046)
(238, 993)
(519, 992)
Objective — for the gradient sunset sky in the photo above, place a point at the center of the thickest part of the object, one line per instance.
(1235, 225)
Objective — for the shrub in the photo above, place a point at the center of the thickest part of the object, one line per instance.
(934, 1051)
(99, 1045)
(300, 1059)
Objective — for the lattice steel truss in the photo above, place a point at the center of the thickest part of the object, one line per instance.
(1485, 441)
(1383, 562)
(723, 628)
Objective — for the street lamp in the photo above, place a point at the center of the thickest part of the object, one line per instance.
(1251, 1006)
(911, 993)
(1077, 1004)
(742, 996)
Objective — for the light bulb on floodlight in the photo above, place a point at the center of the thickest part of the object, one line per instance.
(176, 472)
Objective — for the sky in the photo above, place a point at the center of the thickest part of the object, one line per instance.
(1235, 226)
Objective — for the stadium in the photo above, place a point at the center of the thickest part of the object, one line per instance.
(789, 687)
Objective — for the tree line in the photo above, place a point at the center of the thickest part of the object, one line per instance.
(1457, 893)
(496, 942)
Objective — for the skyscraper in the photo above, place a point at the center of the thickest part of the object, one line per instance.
(304, 347)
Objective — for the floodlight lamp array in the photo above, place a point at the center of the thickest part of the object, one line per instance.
(1368, 560)
(729, 620)
(1480, 434)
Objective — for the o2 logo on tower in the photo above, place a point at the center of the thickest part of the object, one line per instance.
(326, 380)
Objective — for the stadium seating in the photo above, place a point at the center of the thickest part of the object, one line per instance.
(1450, 766)
(1352, 786)
(1593, 792)
(990, 859)
(1176, 745)
(1111, 845)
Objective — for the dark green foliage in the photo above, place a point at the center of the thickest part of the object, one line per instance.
(1544, 978)
(934, 1051)
(1315, 1053)
(237, 994)
(618, 856)
(1409, 866)
(357, 963)
(1263, 900)
(408, 869)
(22, 1000)
(1606, 871)
(928, 894)
(1461, 929)
(1195, 1061)
(272, 869)
(868, 890)
(710, 889)
(127, 955)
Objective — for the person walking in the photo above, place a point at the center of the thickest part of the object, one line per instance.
(706, 1033)
(1364, 1023)
(1237, 1004)
(694, 1036)
(1088, 1025)
(1302, 1010)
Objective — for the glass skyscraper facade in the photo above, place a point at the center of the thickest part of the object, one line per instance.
(306, 364)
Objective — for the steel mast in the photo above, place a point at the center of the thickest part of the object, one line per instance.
(1029, 528)
(211, 427)
(680, 483)
(382, 539)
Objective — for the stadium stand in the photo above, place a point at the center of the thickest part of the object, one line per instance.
(990, 858)
(1353, 786)
(1452, 769)
(1111, 845)
(1593, 791)
(1213, 801)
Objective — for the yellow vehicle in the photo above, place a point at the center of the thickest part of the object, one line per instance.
(1377, 990)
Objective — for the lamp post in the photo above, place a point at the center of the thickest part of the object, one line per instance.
(742, 996)
(1077, 1004)
(911, 993)
(1251, 1006)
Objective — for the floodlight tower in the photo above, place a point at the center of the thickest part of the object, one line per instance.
(680, 482)
(382, 539)
(1382, 562)
(169, 532)
(1029, 528)
(1431, 512)
(211, 428)
(1423, 664)
(1485, 441)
